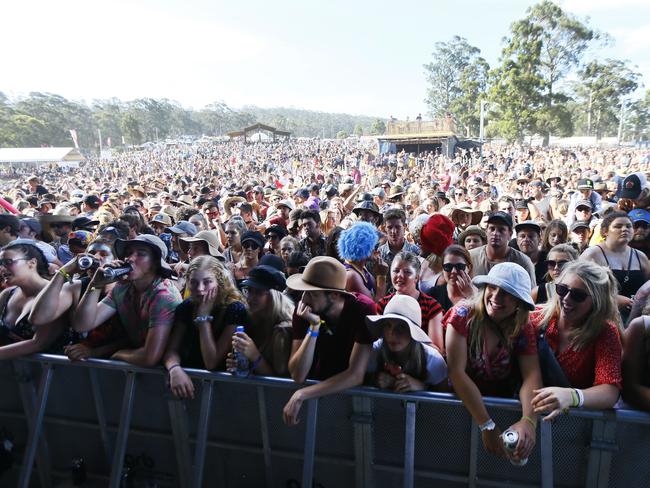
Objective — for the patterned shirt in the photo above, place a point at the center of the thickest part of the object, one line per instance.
(597, 364)
(495, 374)
(155, 309)
(305, 246)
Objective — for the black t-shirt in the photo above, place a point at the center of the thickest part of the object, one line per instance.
(235, 313)
(440, 294)
(335, 341)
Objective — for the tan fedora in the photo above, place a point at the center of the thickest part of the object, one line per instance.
(207, 236)
(322, 273)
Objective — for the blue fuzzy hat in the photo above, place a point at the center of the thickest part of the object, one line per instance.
(358, 242)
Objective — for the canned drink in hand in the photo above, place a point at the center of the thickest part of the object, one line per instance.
(87, 262)
(510, 439)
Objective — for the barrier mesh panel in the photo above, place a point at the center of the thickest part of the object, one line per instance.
(571, 436)
(630, 465)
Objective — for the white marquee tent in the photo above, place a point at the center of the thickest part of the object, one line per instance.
(38, 156)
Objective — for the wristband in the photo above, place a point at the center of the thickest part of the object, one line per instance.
(489, 425)
(574, 398)
(256, 363)
(581, 398)
(169, 370)
(530, 420)
(65, 275)
(313, 332)
(203, 318)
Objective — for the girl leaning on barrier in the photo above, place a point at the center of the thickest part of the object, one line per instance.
(267, 345)
(24, 270)
(402, 358)
(581, 324)
(203, 324)
(491, 345)
(61, 296)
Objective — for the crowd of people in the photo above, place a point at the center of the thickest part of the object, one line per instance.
(517, 272)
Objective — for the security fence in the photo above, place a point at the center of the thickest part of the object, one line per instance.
(123, 428)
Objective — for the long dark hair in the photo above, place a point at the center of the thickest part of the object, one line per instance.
(416, 360)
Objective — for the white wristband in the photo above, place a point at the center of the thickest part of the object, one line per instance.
(489, 425)
(581, 398)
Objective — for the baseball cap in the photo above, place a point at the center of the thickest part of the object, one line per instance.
(640, 215)
(585, 184)
(511, 278)
(633, 185)
(528, 224)
(501, 217)
(183, 227)
(579, 224)
(584, 203)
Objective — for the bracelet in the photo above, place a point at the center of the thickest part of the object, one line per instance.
(65, 275)
(581, 398)
(203, 318)
(256, 363)
(530, 420)
(574, 398)
(169, 370)
(489, 425)
(313, 332)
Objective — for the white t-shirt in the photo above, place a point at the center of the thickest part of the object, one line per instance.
(436, 365)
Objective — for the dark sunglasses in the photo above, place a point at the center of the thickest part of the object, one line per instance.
(583, 209)
(641, 225)
(448, 267)
(551, 264)
(576, 294)
(10, 262)
(250, 245)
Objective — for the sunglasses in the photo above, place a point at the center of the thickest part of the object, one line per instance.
(583, 209)
(576, 294)
(250, 245)
(9, 262)
(551, 264)
(448, 267)
(641, 225)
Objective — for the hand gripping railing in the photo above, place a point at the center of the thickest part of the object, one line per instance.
(191, 471)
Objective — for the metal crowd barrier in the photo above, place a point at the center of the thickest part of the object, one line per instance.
(123, 422)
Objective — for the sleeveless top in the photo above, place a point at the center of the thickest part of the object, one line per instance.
(22, 330)
(366, 277)
(629, 280)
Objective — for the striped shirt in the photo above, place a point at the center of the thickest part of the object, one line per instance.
(428, 305)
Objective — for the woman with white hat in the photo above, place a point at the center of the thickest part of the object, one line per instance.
(402, 358)
(490, 343)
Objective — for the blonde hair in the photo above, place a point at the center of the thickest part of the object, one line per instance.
(509, 329)
(227, 293)
(603, 289)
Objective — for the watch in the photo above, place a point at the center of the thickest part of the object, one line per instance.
(489, 425)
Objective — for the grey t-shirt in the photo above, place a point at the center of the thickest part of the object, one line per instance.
(482, 266)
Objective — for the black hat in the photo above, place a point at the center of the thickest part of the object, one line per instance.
(302, 193)
(273, 261)
(265, 278)
(520, 204)
(579, 224)
(84, 223)
(281, 230)
(253, 235)
(502, 217)
(633, 185)
(585, 184)
(370, 206)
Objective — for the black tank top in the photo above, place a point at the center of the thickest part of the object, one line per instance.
(629, 280)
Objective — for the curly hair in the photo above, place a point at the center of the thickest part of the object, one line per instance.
(227, 292)
(358, 242)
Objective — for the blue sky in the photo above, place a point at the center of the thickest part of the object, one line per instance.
(342, 56)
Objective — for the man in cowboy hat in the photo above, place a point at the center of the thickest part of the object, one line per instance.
(330, 341)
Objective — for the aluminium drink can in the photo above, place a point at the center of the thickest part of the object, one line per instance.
(510, 439)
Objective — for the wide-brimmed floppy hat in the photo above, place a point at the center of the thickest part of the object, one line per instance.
(511, 278)
(321, 273)
(152, 242)
(404, 308)
(477, 215)
(207, 236)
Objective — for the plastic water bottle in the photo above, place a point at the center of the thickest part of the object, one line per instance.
(243, 367)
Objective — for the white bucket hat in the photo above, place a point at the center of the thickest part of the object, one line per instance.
(404, 308)
(511, 278)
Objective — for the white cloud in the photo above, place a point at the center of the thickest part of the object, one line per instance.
(585, 7)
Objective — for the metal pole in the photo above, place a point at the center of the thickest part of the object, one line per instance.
(481, 136)
(546, 450)
(620, 123)
(409, 445)
(35, 431)
(266, 442)
(101, 415)
(310, 444)
(123, 431)
(180, 432)
(99, 134)
(202, 433)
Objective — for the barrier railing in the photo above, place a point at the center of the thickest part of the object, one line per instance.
(366, 436)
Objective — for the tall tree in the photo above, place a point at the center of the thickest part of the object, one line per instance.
(457, 79)
(542, 49)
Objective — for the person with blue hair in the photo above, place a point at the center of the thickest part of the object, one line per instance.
(357, 247)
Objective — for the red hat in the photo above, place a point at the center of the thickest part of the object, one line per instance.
(437, 234)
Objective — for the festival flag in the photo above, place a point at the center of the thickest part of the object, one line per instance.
(73, 134)
(108, 141)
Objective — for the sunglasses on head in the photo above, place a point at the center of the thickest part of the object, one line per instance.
(448, 267)
(551, 264)
(250, 245)
(576, 294)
